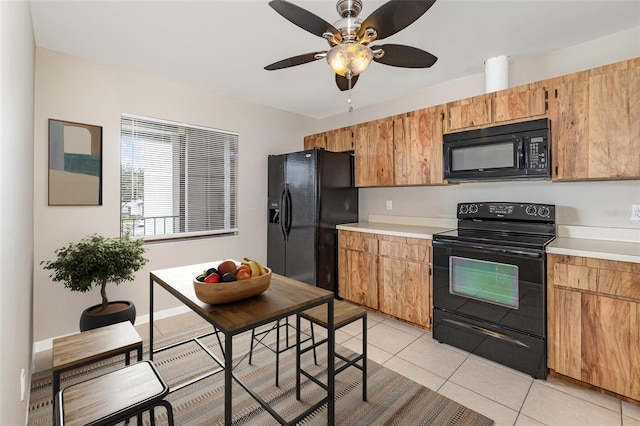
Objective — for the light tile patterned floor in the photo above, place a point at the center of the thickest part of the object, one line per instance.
(507, 396)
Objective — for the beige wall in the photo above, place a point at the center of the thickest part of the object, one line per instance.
(17, 67)
(599, 204)
(68, 88)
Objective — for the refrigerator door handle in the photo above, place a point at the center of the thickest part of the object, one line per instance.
(289, 211)
(283, 213)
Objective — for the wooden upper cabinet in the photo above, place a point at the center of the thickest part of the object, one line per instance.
(596, 123)
(374, 153)
(315, 141)
(340, 140)
(522, 102)
(417, 150)
(469, 113)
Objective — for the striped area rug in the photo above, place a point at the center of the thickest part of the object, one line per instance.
(392, 398)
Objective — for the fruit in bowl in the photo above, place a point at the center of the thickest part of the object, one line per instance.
(218, 284)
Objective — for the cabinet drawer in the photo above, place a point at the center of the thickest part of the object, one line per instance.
(358, 241)
(606, 277)
(405, 248)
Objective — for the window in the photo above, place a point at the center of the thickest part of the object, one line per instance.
(176, 180)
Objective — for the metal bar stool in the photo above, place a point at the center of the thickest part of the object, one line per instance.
(257, 338)
(113, 397)
(343, 313)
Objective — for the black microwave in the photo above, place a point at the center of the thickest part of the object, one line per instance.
(511, 151)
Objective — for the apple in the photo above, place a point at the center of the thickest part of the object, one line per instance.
(227, 267)
(212, 278)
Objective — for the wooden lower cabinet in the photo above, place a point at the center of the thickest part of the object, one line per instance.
(358, 268)
(594, 322)
(386, 273)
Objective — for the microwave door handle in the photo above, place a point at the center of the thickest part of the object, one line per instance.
(520, 159)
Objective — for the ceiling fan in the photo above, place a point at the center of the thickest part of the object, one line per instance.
(349, 38)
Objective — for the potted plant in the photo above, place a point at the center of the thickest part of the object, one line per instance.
(94, 261)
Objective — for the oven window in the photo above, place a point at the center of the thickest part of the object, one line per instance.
(491, 282)
(491, 156)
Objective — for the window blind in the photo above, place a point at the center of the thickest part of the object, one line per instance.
(176, 180)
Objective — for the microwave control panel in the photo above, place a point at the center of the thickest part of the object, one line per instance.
(537, 157)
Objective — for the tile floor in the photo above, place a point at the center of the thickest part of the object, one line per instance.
(507, 396)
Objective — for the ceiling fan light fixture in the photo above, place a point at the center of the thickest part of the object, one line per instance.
(349, 58)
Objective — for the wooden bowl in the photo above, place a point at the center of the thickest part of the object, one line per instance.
(218, 293)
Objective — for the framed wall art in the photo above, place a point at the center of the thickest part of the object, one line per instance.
(75, 164)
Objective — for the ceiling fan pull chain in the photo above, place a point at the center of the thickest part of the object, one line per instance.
(349, 100)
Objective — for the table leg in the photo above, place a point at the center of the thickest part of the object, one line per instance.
(331, 379)
(228, 370)
(298, 357)
(56, 388)
(151, 319)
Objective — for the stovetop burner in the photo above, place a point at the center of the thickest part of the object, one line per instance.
(505, 224)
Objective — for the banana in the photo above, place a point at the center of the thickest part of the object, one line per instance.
(256, 268)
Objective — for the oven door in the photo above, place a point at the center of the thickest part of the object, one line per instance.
(505, 287)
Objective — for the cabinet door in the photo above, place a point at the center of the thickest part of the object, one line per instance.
(417, 139)
(611, 344)
(358, 277)
(404, 289)
(405, 279)
(468, 113)
(315, 141)
(520, 102)
(596, 123)
(374, 153)
(357, 267)
(340, 140)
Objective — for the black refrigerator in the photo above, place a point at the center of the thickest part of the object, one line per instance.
(310, 192)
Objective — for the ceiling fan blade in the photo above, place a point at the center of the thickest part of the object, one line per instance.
(394, 16)
(303, 18)
(398, 55)
(292, 62)
(343, 82)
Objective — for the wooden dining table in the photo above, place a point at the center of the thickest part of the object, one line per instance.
(284, 297)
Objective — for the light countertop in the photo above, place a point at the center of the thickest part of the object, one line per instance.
(601, 243)
(398, 230)
(624, 251)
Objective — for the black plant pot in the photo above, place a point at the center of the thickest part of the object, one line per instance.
(117, 311)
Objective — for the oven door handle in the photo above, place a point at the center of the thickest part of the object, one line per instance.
(485, 249)
(487, 332)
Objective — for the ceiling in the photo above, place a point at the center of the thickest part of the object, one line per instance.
(223, 46)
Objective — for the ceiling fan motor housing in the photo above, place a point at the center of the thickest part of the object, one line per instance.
(349, 8)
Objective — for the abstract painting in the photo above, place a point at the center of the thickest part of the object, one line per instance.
(75, 164)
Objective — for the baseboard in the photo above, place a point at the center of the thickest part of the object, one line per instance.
(47, 344)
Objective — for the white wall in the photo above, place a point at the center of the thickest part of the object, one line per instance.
(69, 88)
(600, 204)
(17, 67)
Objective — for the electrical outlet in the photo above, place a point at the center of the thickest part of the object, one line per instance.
(635, 212)
(389, 205)
(23, 386)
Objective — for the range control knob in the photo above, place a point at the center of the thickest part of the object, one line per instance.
(464, 209)
(473, 208)
(543, 212)
(531, 210)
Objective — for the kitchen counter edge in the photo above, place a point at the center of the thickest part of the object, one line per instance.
(397, 230)
(623, 251)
